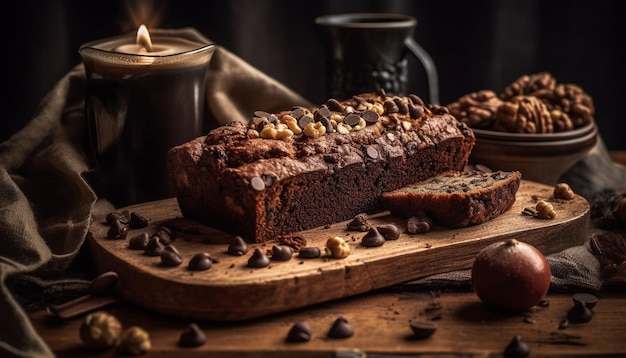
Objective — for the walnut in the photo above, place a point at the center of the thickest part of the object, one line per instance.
(135, 341)
(528, 85)
(100, 330)
(476, 109)
(524, 114)
(563, 191)
(545, 210)
(338, 247)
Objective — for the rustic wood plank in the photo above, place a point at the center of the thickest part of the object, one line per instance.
(380, 320)
(231, 291)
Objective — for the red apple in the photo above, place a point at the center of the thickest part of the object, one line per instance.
(510, 276)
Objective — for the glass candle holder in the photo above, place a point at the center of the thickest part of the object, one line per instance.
(141, 100)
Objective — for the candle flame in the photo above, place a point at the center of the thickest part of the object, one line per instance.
(143, 38)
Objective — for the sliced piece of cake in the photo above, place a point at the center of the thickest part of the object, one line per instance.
(456, 199)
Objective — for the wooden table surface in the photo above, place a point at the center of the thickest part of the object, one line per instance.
(381, 324)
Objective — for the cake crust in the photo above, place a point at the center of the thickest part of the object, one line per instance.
(236, 180)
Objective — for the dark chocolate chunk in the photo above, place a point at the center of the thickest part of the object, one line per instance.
(281, 252)
(310, 252)
(297, 113)
(200, 262)
(192, 336)
(587, 298)
(237, 246)
(154, 247)
(580, 313)
(359, 223)
(341, 328)
(114, 215)
(258, 259)
(370, 116)
(103, 284)
(390, 107)
(117, 231)
(416, 99)
(299, 332)
(352, 119)
(137, 221)
(304, 120)
(139, 242)
(422, 329)
(334, 105)
(389, 231)
(323, 111)
(415, 111)
(373, 238)
(163, 236)
(517, 348)
(170, 256)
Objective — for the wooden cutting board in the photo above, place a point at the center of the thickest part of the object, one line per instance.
(232, 291)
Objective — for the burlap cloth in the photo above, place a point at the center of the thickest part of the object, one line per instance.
(46, 203)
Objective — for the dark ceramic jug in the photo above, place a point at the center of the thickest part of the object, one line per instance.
(368, 51)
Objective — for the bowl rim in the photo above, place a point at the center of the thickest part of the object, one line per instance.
(535, 137)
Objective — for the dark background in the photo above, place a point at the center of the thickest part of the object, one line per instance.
(476, 45)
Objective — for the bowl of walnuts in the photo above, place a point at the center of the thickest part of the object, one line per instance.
(536, 125)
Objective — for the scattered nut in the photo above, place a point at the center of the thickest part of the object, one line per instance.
(545, 210)
(338, 247)
(100, 330)
(563, 191)
(135, 341)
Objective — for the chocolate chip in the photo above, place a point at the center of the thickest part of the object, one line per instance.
(258, 259)
(580, 313)
(262, 114)
(192, 336)
(139, 242)
(137, 221)
(415, 111)
(390, 107)
(422, 329)
(327, 123)
(299, 332)
(200, 262)
(389, 231)
(163, 236)
(359, 223)
(587, 298)
(114, 215)
(334, 105)
(117, 231)
(517, 348)
(322, 112)
(352, 119)
(281, 252)
(310, 252)
(237, 246)
(370, 116)
(297, 113)
(373, 238)
(103, 284)
(154, 247)
(416, 99)
(304, 120)
(170, 256)
(257, 184)
(341, 329)
(372, 152)
(402, 107)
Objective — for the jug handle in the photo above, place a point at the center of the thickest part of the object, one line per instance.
(429, 66)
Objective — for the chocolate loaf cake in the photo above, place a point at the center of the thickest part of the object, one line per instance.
(309, 167)
(456, 199)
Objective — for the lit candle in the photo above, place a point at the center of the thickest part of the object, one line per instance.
(145, 94)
